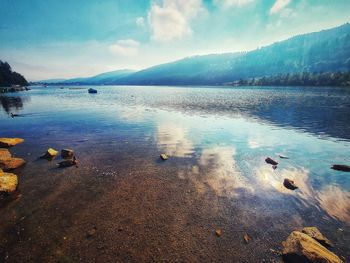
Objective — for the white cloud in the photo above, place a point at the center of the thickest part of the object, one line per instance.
(125, 47)
(170, 19)
(279, 5)
(230, 3)
(140, 21)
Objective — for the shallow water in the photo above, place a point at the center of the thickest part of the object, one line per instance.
(145, 209)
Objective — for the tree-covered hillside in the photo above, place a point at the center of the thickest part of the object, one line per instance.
(324, 51)
(9, 77)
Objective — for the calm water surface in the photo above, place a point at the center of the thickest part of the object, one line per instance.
(216, 177)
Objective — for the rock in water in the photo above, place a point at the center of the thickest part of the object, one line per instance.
(289, 184)
(67, 153)
(11, 163)
(5, 154)
(9, 142)
(218, 232)
(92, 90)
(317, 235)
(164, 156)
(299, 247)
(341, 167)
(246, 238)
(8, 182)
(50, 154)
(270, 161)
(91, 232)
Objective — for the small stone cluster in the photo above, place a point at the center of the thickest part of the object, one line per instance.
(9, 181)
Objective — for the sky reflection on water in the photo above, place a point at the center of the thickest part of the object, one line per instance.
(222, 135)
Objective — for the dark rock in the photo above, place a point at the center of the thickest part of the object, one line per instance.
(341, 167)
(289, 184)
(91, 90)
(67, 153)
(270, 161)
(91, 232)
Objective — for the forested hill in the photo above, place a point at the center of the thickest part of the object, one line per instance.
(9, 77)
(324, 51)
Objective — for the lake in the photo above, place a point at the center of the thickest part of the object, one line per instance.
(123, 203)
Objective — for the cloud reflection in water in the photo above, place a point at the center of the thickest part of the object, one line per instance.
(331, 198)
(336, 202)
(217, 169)
(172, 139)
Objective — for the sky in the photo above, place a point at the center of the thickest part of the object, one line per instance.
(77, 38)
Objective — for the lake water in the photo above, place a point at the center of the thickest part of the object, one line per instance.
(142, 209)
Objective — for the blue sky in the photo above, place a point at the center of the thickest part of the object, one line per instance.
(66, 38)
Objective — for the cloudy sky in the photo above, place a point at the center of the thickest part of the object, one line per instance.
(66, 38)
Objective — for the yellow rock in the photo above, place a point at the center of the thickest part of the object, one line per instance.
(317, 235)
(11, 163)
(4, 154)
(300, 247)
(164, 156)
(8, 182)
(218, 232)
(50, 154)
(9, 142)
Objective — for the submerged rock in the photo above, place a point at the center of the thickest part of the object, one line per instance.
(218, 232)
(300, 247)
(289, 184)
(91, 232)
(67, 153)
(10, 142)
(11, 163)
(163, 156)
(246, 238)
(317, 235)
(50, 154)
(8, 182)
(341, 167)
(5, 154)
(270, 161)
(68, 163)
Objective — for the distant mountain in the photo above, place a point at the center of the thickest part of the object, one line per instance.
(104, 78)
(9, 77)
(324, 51)
(52, 80)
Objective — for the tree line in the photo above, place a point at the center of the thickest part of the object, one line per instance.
(9, 77)
(300, 79)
